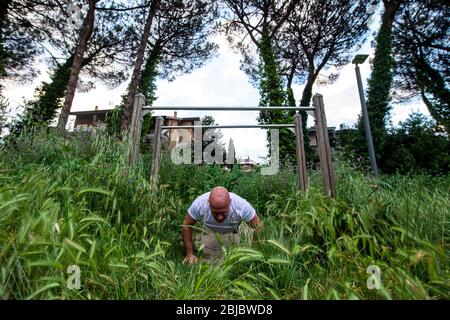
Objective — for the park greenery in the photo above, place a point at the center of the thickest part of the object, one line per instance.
(72, 198)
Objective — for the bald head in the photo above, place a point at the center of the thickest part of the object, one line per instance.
(219, 203)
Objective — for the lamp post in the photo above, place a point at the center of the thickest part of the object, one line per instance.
(359, 59)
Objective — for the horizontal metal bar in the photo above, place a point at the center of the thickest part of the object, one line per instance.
(261, 126)
(241, 108)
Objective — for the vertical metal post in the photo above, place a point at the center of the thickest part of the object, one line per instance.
(373, 159)
(135, 129)
(301, 159)
(323, 144)
(156, 153)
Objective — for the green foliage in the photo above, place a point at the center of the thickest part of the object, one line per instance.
(212, 138)
(149, 75)
(2, 62)
(48, 99)
(420, 45)
(435, 93)
(67, 206)
(271, 89)
(272, 94)
(290, 99)
(416, 145)
(18, 38)
(147, 86)
(46, 147)
(231, 154)
(114, 119)
(379, 86)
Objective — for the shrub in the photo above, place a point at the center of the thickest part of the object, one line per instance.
(81, 205)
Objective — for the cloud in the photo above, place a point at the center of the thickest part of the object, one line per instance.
(221, 83)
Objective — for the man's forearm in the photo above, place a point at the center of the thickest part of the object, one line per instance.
(258, 231)
(187, 241)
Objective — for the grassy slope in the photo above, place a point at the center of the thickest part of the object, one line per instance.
(74, 202)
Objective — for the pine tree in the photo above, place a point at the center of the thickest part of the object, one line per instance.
(178, 44)
(261, 22)
(103, 60)
(132, 88)
(380, 82)
(421, 50)
(20, 37)
(85, 35)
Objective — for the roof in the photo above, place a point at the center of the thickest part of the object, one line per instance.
(90, 112)
(313, 129)
(179, 119)
(101, 112)
(247, 161)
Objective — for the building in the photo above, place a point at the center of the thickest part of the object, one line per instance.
(247, 165)
(174, 136)
(88, 120)
(313, 137)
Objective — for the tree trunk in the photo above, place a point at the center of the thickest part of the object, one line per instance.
(390, 9)
(132, 90)
(148, 75)
(380, 82)
(273, 87)
(147, 84)
(307, 91)
(431, 81)
(86, 33)
(45, 108)
(272, 94)
(306, 102)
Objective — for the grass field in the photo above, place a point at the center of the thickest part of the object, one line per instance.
(72, 201)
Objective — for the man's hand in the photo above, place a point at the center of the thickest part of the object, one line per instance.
(187, 240)
(191, 259)
(257, 226)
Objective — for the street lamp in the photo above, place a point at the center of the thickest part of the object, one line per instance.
(360, 59)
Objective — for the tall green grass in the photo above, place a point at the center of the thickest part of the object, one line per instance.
(71, 200)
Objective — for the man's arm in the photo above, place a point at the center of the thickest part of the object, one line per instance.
(257, 225)
(187, 240)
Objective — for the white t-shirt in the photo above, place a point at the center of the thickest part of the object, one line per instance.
(240, 210)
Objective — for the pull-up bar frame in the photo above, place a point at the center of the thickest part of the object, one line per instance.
(323, 143)
(243, 126)
(237, 108)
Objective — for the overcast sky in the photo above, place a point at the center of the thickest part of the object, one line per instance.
(221, 83)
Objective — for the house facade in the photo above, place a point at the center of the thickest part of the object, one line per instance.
(90, 120)
(247, 164)
(312, 134)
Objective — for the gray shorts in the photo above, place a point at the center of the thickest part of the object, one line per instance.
(211, 244)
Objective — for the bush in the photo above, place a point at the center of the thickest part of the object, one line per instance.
(417, 145)
(79, 204)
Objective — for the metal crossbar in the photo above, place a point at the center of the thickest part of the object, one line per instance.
(231, 108)
(262, 126)
(323, 144)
